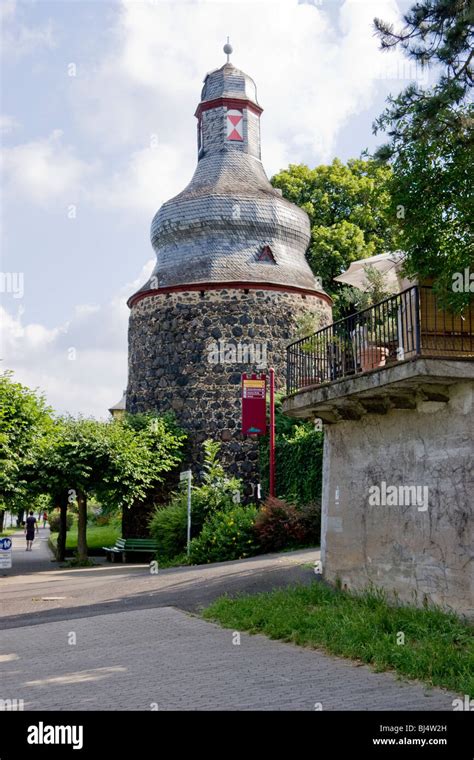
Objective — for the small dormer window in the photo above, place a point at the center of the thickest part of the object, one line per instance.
(265, 254)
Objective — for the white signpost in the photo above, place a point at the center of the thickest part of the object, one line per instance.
(5, 553)
(188, 476)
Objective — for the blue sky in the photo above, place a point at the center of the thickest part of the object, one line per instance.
(97, 104)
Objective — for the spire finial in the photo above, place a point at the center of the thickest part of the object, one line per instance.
(228, 49)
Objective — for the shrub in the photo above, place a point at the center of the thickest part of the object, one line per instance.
(309, 518)
(168, 526)
(280, 525)
(226, 535)
(54, 518)
(100, 520)
(216, 492)
(99, 517)
(277, 525)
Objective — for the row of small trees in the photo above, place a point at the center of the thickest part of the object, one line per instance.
(120, 463)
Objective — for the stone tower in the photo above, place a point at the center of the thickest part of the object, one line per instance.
(231, 281)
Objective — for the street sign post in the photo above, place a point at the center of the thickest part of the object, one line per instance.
(254, 404)
(254, 413)
(5, 553)
(272, 432)
(184, 476)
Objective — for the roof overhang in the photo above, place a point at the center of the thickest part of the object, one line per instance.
(237, 285)
(237, 103)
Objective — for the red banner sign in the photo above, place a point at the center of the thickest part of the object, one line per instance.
(254, 405)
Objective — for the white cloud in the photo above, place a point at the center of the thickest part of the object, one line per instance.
(80, 365)
(8, 124)
(45, 170)
(315, 67)
(150, 177)
(19, 39)
(314, 71)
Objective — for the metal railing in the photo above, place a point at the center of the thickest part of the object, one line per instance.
(403, 326)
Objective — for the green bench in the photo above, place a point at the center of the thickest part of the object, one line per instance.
(125, 546)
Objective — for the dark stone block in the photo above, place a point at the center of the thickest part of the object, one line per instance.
(235, 378)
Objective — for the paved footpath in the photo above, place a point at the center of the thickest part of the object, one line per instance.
(166, 659)
(38, 559)
(138, 643)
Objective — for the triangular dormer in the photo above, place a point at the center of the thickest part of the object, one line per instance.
(265, 254)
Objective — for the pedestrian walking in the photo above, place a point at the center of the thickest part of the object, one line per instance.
(31, 524)
(45, 519)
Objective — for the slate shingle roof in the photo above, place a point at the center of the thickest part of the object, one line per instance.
(215, 228)
(228, 82)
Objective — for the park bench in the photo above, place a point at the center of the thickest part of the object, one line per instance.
(125, 546)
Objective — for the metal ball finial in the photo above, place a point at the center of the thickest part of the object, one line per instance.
(228, 49)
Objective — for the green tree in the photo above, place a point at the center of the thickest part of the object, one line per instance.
(120, 462)
(430, 146)
(143, 450)
(349, 209)
(24, 420)
(69, 465)
(440, 33)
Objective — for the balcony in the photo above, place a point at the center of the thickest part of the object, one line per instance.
(403, 327)
(404, 353)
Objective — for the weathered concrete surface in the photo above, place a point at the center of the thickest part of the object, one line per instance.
(375, 528)
(418, 548)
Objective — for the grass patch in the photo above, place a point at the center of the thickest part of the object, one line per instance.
(438, 648)
(9, 532)
(97, 536)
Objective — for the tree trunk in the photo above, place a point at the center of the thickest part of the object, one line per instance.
(82, 526)
(61, 545)
(2, 519)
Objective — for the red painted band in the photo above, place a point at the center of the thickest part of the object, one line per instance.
(230, 103)
(239, 285)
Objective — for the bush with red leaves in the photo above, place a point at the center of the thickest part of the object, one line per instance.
(280, 525)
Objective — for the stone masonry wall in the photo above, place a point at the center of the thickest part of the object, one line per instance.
(417, 551)
(173, 342)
